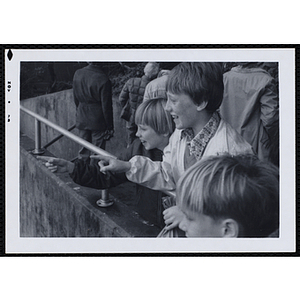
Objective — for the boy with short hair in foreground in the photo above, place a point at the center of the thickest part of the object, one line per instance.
(229, 196)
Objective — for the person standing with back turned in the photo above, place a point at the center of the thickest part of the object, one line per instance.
(251, 106)
(93, 98)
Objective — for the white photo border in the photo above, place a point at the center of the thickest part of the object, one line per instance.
(286, 243)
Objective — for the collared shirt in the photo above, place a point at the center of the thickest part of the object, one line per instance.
(197, 144)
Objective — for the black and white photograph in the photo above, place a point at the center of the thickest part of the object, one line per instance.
(157, 151)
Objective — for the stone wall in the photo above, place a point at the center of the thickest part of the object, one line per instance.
(52, 205)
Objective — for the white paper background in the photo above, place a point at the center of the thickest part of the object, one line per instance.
(215, 22)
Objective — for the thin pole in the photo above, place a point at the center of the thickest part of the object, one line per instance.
(38, 149)
(57, 138)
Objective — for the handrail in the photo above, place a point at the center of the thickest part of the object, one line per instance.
(58, 138)
(68, 134)
(78, 140)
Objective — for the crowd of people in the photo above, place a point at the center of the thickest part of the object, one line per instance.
(210, 137)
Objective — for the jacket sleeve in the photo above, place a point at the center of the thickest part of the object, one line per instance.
(124, 95)
(270, 108)
(106, 101)
(153, 174)
(90, 176)
(76, 100)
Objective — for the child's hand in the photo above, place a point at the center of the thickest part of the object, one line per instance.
(57, 164)
(112, 164)
(173, 216)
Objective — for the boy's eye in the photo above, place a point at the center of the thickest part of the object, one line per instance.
(172, 100)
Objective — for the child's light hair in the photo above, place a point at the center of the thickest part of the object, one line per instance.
(238, 187)
(201, 81)
(152, 113)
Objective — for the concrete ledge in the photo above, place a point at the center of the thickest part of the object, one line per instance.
(52, 205)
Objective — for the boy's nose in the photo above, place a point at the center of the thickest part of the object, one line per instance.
(138, 133)
(167, 107)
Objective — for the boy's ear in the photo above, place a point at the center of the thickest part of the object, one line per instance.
(201, 106)
(230, 228)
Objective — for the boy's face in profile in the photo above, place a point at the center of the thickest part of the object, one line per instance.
(183, 110)
(196, 224)
(150, 138)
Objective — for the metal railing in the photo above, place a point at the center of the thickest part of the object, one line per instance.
(72, 136)
(57, 138)
(105, 199)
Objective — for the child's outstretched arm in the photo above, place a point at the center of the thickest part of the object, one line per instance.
(112, 164)
(142, 170)
(57, 164)
(83, 173)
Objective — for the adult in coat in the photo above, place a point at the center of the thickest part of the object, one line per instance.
(251, 106)
(94, 114)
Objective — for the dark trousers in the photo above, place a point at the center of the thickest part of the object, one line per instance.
(95, 137)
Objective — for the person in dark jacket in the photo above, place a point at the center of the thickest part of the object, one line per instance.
(132, 95)
(155, 126)
(92, 92)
